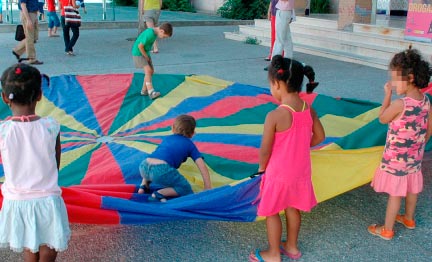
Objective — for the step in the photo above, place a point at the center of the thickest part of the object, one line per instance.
(301, 20)
(384, 31)
(397, 43)
(319, 51)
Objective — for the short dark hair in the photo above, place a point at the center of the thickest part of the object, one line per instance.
(21, 83)
(184, 125)
(168, 28)
(410, 61)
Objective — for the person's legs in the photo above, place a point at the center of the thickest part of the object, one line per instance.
(283, 19)
(272, 35)
(56, 23)
(148, 85)
(29, 256)
(293, 222)
(287, 40)
(50, 23)
(66, 36)
(393, 206)
(274, 234)
(47, 254)
(151, 24)
(410, 206)
(75, 36)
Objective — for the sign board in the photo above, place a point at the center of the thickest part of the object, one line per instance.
(419, 21)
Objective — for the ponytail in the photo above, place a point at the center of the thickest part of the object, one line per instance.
(310, 74)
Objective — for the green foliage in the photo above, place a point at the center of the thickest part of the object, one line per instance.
(178, 5)
(126, 2)
(320, 7)
(244, 9)
(252, 41)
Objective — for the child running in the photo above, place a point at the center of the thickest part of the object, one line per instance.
(161, 166)
(141, 55)
(289, 132)
(33, 218)
(410, 127)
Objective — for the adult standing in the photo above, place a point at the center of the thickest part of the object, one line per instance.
(271, 15)
(68, 41)
(151, 14)
(307, 9)
(284, 17)
(29, 20)
(53, 20)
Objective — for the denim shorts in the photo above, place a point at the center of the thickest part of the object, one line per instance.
(165, 176)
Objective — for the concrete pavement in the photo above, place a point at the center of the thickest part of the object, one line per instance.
(334, 231)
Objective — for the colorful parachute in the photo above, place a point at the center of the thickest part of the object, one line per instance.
(107, 128)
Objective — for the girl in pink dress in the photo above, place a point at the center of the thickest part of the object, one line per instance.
(289, 132)
(410, 126)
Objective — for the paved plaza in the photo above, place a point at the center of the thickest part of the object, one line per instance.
(334, 231)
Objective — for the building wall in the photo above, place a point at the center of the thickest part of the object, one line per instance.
(207, 6)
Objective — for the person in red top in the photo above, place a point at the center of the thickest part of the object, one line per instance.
(69, 42)
(53, 20)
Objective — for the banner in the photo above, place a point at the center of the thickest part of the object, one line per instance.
(419, 21)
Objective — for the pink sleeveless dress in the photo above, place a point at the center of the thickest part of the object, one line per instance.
(400, 170)
(287, 181)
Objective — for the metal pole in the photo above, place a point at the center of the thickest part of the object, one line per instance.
(113, 8)
(104, 10)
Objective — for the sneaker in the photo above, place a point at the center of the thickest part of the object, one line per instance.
(154, 95)
(410, 224)
(144, 92)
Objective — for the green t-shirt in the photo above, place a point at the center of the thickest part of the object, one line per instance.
(147, 38)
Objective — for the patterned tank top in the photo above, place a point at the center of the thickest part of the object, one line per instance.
(406, 139)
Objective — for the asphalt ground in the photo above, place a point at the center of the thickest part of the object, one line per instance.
(334, 231)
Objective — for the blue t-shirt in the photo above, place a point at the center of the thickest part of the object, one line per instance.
(175, 149)
(32, 5)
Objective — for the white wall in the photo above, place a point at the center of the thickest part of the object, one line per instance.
(208, 6)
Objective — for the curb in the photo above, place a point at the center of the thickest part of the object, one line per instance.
(10, 28)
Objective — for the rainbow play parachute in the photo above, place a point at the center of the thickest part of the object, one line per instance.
(107, 128)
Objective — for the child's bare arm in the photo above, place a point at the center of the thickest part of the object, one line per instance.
(204, 172)
(143, 52)
(267, 141)
(318, 133)
(389, 110)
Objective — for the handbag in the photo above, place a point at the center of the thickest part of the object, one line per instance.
(19, 33)
(72, 16)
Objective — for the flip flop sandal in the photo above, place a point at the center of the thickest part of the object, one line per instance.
(290, 255)
(144, 92)
(35, 62)
(16, 55)
(256, 257)
(410, 224)
(384, 234)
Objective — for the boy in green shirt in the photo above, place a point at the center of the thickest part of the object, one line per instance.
(141, 55)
